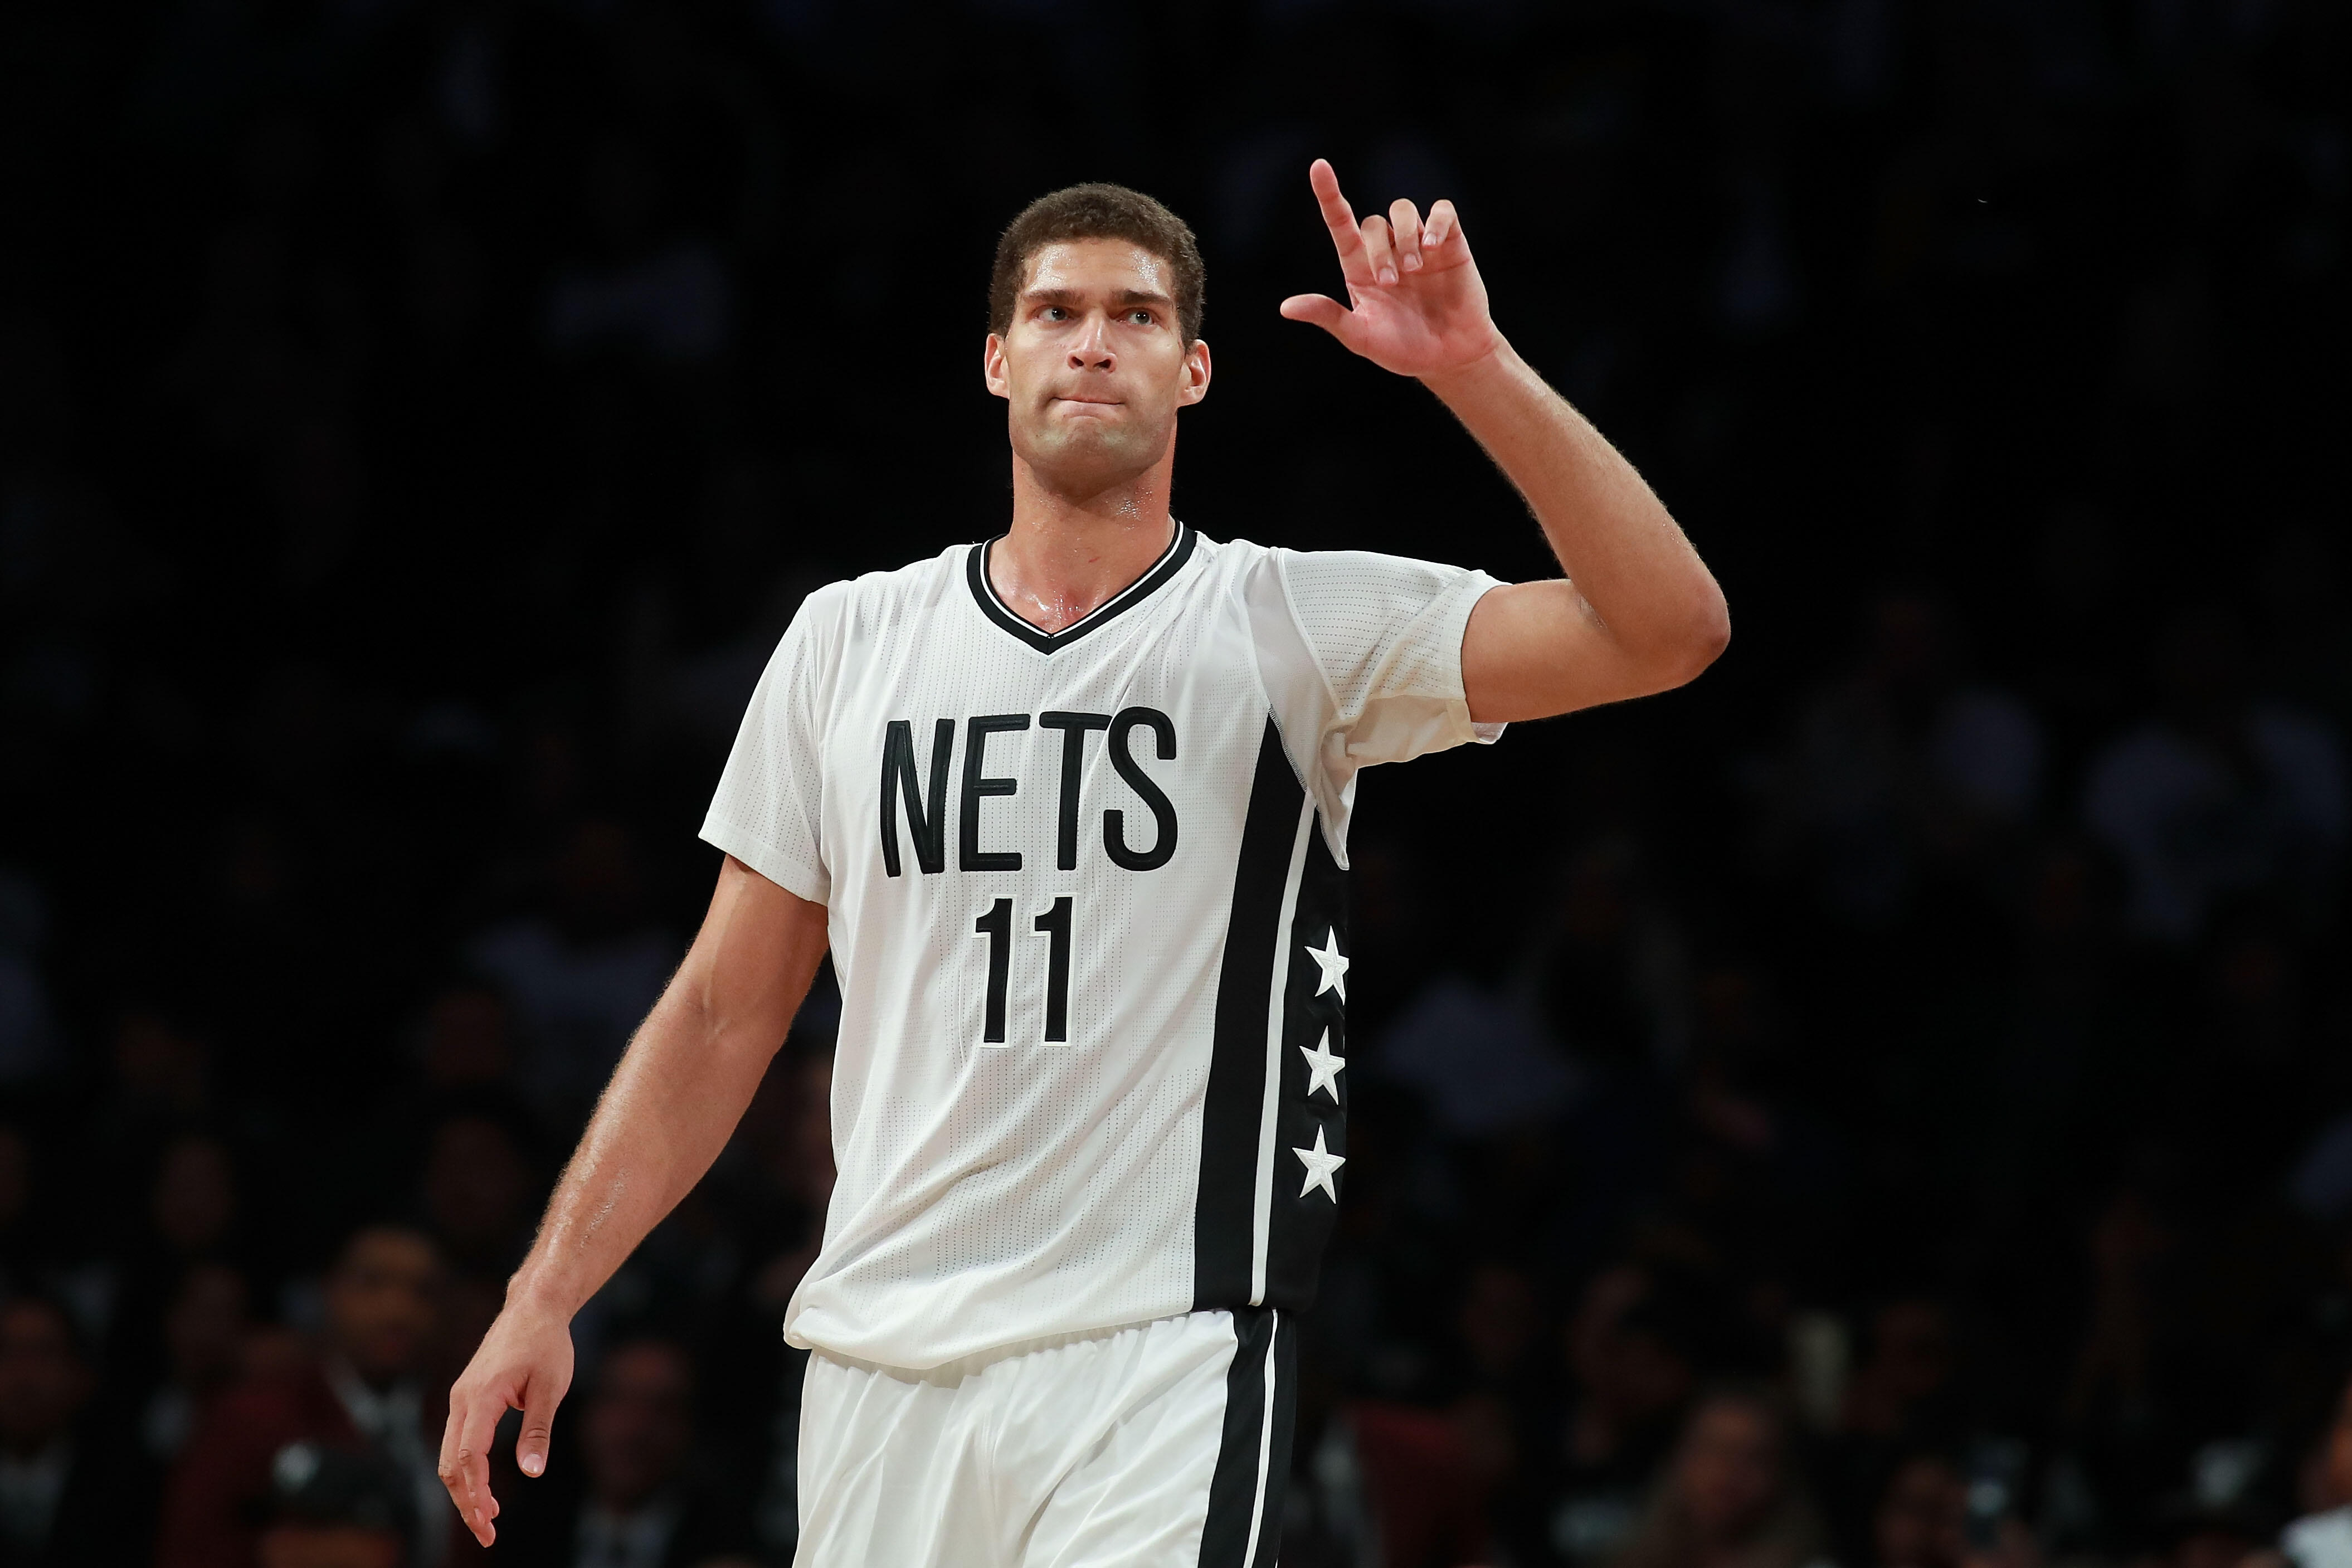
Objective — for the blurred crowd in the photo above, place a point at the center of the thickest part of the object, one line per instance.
(1886, 1107)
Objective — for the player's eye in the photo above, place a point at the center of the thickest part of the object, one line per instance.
(1138, 318)
(1056, 313)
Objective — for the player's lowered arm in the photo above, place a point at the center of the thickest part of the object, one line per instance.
(1638, 612)
(683, 1084)
(672, 1104)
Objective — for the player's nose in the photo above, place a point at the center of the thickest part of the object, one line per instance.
(1092, 351)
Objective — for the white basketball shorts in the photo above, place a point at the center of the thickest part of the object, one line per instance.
(1161, 1446)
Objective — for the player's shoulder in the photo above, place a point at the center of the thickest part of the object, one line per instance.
(1245, 563)
(1229, 560)
(923, 579)
(1243, 553)
(888, 594)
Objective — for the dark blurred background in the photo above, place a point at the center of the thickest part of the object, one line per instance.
(1888, 1105)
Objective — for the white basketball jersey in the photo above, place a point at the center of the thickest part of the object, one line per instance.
(1091, 943)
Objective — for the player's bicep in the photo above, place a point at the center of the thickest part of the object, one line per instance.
(752, 960)
(1532, 650)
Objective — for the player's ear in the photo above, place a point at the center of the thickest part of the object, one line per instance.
(992, 367)
(1196, 374)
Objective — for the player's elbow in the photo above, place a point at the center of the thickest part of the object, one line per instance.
(1696, 640)
(1711, 631)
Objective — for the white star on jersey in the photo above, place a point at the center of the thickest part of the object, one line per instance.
(1333, 964)
(1320, 1163)
(1323, 1070)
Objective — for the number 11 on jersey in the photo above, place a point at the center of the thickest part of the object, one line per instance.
(996, 925)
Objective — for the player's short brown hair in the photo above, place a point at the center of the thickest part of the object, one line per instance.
(1100, 212)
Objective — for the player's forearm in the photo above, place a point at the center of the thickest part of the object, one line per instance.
(680, 1089)
(1613, 537)
(662, 1121)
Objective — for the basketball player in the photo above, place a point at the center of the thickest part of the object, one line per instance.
(1070, 809)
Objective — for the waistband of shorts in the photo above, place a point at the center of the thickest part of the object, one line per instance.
(956, 1370)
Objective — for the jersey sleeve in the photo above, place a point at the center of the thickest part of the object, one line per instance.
(1362, 657)
(769, 811)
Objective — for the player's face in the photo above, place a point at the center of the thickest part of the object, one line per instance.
(1095, 365)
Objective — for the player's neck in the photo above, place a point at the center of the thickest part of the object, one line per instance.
(1067, 555)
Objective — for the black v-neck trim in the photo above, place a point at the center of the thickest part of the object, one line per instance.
(983, 593)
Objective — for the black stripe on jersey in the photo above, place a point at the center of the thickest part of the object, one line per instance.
(1223, 1216)
(983, 593)
(1300, 1224)
(1247, 1488)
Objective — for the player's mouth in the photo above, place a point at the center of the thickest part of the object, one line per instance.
(1093, 402)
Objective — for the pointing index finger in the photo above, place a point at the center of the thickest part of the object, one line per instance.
(1355, 266)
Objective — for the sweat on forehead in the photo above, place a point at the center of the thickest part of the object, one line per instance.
(1065, 262)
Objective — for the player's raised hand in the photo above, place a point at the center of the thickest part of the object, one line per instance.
(1415, 302)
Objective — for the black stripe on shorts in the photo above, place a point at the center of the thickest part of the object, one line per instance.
(1245, 1494)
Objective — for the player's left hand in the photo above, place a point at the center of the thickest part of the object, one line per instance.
(1415, 302)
